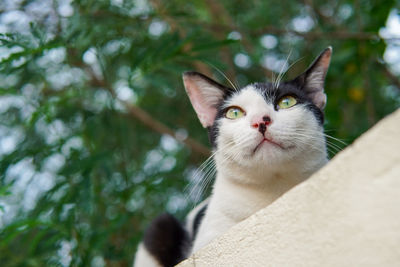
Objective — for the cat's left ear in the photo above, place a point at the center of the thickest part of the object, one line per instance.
(205, 95)
(312, 80)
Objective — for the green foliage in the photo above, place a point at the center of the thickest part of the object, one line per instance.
(84, 170)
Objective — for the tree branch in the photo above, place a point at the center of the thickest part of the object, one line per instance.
(145, 117)
(159, 127)
(318, 14)
(221, 16)
(175, 26)
(341, 35)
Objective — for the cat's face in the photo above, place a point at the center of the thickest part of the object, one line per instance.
(263, 124)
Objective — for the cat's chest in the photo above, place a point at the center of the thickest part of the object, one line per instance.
(228, 206)
(223, 212)
(237, 202)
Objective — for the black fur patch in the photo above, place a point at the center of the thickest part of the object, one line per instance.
(291, 88)
(197, 220)
(165, 239)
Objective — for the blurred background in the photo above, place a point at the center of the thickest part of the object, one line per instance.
(97, 136)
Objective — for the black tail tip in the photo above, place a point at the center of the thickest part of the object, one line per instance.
(165, 239)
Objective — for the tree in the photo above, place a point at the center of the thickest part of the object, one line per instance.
(97, 134)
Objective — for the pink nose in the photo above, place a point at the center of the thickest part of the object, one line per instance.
(255, 123)
(261, 123)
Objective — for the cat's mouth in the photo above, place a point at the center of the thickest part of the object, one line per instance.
(269, 141)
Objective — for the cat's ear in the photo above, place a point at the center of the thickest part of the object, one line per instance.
(312, 80)
(205, 94)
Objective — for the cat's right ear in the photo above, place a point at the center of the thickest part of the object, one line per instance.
(312, 80)
(205, 94)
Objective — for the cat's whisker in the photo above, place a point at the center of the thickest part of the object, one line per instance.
(273, 78)
(198, 178)
(208, 177)
(288, 68)
(208, 171)
(316, 132)
(234, 86)
(332, 148)
(309, 143)
(229, 151)
(327, 135)
(280, 75)
(203, 178)
(336, 139)
(309, 131)
(296, 136)
(333, 145)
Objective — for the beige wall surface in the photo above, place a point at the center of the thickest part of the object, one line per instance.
(347, 214)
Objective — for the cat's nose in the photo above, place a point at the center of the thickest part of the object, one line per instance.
(262, 128)
(262, 123)
(267, 120)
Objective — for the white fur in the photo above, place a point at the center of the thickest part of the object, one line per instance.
(143, 258)
(248, 181)
(192, 215)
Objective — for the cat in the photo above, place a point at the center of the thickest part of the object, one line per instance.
(266, 138)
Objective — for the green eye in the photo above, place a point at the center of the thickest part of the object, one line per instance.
(234, 113)
(287, 102)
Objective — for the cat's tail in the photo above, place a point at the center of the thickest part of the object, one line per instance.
(165, 243)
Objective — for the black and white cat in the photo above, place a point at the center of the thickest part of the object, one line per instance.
(266, 138)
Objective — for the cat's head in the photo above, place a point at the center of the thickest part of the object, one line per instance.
(264, 124)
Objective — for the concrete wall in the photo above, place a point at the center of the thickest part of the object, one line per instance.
(347, 214)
